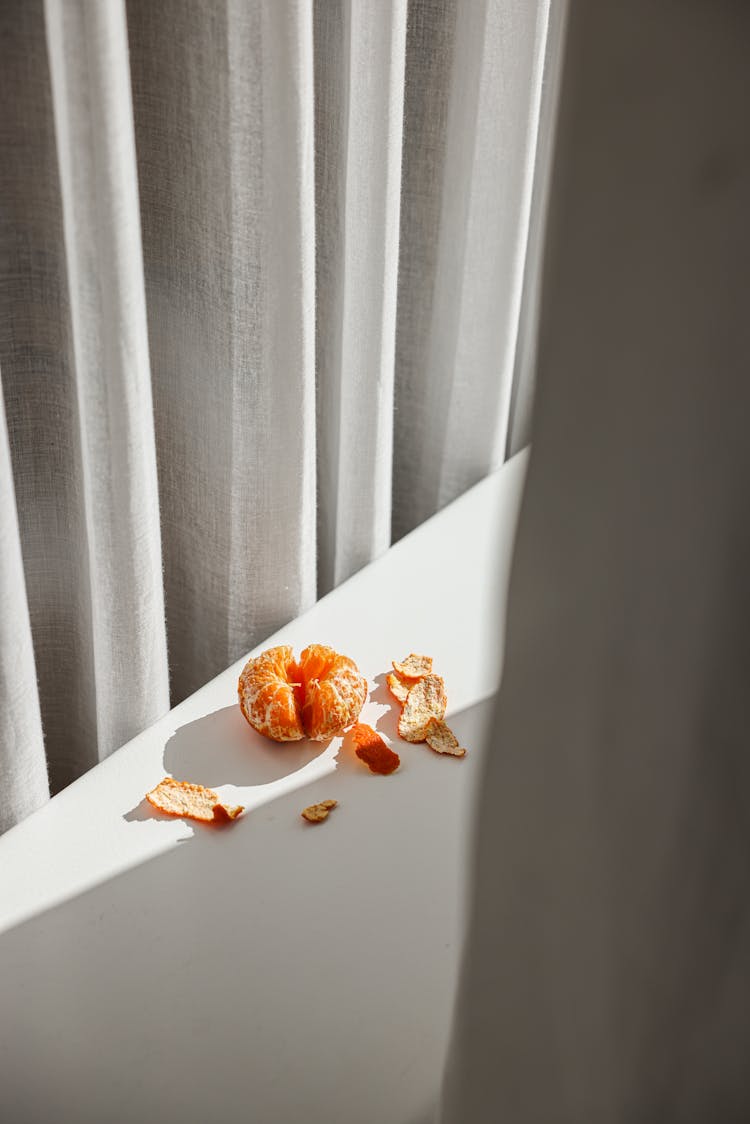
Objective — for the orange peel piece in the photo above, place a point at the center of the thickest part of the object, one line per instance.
(413, 667)
(441, 738)
(192, 801)
(426, 700)
(398, 688)
(316, 813)
(370, 748)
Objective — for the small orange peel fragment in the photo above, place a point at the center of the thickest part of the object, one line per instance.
(426, 700)
(316, 813)
(370, 748)
(193, 801)
(441, 738)
(398, 688)
(413, 667)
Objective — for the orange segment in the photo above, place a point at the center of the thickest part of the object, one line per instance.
(335, 692)
(316, 661)
(269, 695)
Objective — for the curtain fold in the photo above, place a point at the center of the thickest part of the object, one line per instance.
(90, 84)
(361, 52)
(462, 255)
(606, 974)
(223, 106)
(23, 768)
(261, 275)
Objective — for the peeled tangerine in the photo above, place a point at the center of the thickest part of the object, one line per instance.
(317, 697)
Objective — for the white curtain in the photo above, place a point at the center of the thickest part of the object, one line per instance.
(606, 978)
(262, 277)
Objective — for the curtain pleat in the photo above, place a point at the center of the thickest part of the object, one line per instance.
(88, 55)
(360, 49)
(23, 767)
(224, 130)
(458, 317)
(606, 975)
(524, 372)
(39, 385)
(261, 273)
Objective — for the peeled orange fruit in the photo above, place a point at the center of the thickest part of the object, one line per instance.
(318, 696)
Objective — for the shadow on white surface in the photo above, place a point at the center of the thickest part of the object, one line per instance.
(270, 970)
(222, 751)
(86, 842)
(222, 748)
(270, 967)
(387, 722)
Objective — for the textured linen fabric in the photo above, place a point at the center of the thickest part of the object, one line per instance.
(74, 366)
(88, 57)
(23, 768)
(473, 90)
(223, 105)
(360, 90)
(261, 280)
(607, 976)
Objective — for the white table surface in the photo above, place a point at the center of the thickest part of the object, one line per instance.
(152, 969)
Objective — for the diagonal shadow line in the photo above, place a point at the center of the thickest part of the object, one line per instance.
(236, 906)
(221, 750)
(269, 774)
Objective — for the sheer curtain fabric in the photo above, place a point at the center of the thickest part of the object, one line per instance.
(607, 971)
(261, 279)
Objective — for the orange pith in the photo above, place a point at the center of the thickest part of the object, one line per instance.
(317, 696)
